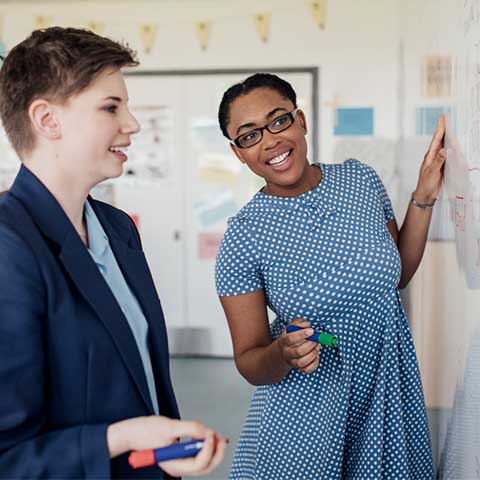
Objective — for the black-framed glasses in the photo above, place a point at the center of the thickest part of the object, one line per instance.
(277, 125)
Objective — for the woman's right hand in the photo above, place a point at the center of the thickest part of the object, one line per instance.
(142, 433)
(296, 350)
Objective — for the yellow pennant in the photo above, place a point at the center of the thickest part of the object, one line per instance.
(203, 32)
(262, 24)
(147, 34)
(95, 27)
(42, 22)
(318, 10)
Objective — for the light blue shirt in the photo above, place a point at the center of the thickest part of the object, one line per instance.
(102, 254)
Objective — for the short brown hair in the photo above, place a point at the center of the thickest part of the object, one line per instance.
(53, 63)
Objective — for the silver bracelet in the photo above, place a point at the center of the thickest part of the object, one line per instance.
(424, 206)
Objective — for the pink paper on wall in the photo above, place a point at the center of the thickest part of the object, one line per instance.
(208, 244)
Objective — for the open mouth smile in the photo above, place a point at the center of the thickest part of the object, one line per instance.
(280, 159)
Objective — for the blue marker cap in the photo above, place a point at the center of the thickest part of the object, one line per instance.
(317, 337)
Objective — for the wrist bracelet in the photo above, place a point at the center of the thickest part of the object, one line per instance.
(424, 206)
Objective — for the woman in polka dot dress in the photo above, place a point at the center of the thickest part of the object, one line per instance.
(320, 246)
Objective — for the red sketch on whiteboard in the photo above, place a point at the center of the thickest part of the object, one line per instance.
(459, 213)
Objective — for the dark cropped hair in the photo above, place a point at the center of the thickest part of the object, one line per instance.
(258, 80)
(54, 63)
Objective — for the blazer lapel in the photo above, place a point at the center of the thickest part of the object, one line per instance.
(134, 267)
(92, 286)
(53, 222)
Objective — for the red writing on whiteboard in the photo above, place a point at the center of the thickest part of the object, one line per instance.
(459, 213)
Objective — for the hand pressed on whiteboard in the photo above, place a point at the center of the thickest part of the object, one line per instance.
(431, 170)
(142, 433)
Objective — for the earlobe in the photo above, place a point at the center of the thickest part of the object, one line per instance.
(43, 119)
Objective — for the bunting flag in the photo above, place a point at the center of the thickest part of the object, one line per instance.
(148, 32)
(203, 32)
(42, 22)
(95, 27)
(318, 11)
(262, 24)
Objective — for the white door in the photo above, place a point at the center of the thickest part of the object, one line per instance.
(183, 187)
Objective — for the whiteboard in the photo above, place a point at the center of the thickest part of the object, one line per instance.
(440, 62)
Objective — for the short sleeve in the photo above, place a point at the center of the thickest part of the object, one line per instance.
(378, 186)
(237, 270)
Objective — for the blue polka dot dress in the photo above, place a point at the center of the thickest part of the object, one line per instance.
(327, 256)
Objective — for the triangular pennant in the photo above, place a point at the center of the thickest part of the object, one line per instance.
(42, 22)
(148, 32)
(203, 32)
(319, 12)
(95, 27)
(262, 24)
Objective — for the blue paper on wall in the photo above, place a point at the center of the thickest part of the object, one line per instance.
(427, 118)
(3, 51)
(354, 121)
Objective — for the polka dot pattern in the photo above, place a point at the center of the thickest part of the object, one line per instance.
(327, 256)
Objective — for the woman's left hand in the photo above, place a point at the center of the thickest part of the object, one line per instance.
(431, 170)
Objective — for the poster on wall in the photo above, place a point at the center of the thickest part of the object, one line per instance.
(211, 214)
(437, 76)
(150, 157)
(426, 118)
(213, 209)
(354, 121)
(208, 244)
(218, 168)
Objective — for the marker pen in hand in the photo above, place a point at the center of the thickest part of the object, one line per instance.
(146, 458)
(317, 337)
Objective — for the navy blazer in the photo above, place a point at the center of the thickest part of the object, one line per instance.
(69, 365)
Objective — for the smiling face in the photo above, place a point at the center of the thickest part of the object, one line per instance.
(96, 126)
(281, 158)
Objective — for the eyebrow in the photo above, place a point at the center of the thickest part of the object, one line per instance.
(117, 99)
(268, 117)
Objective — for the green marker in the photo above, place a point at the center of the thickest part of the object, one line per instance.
(317, 337)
